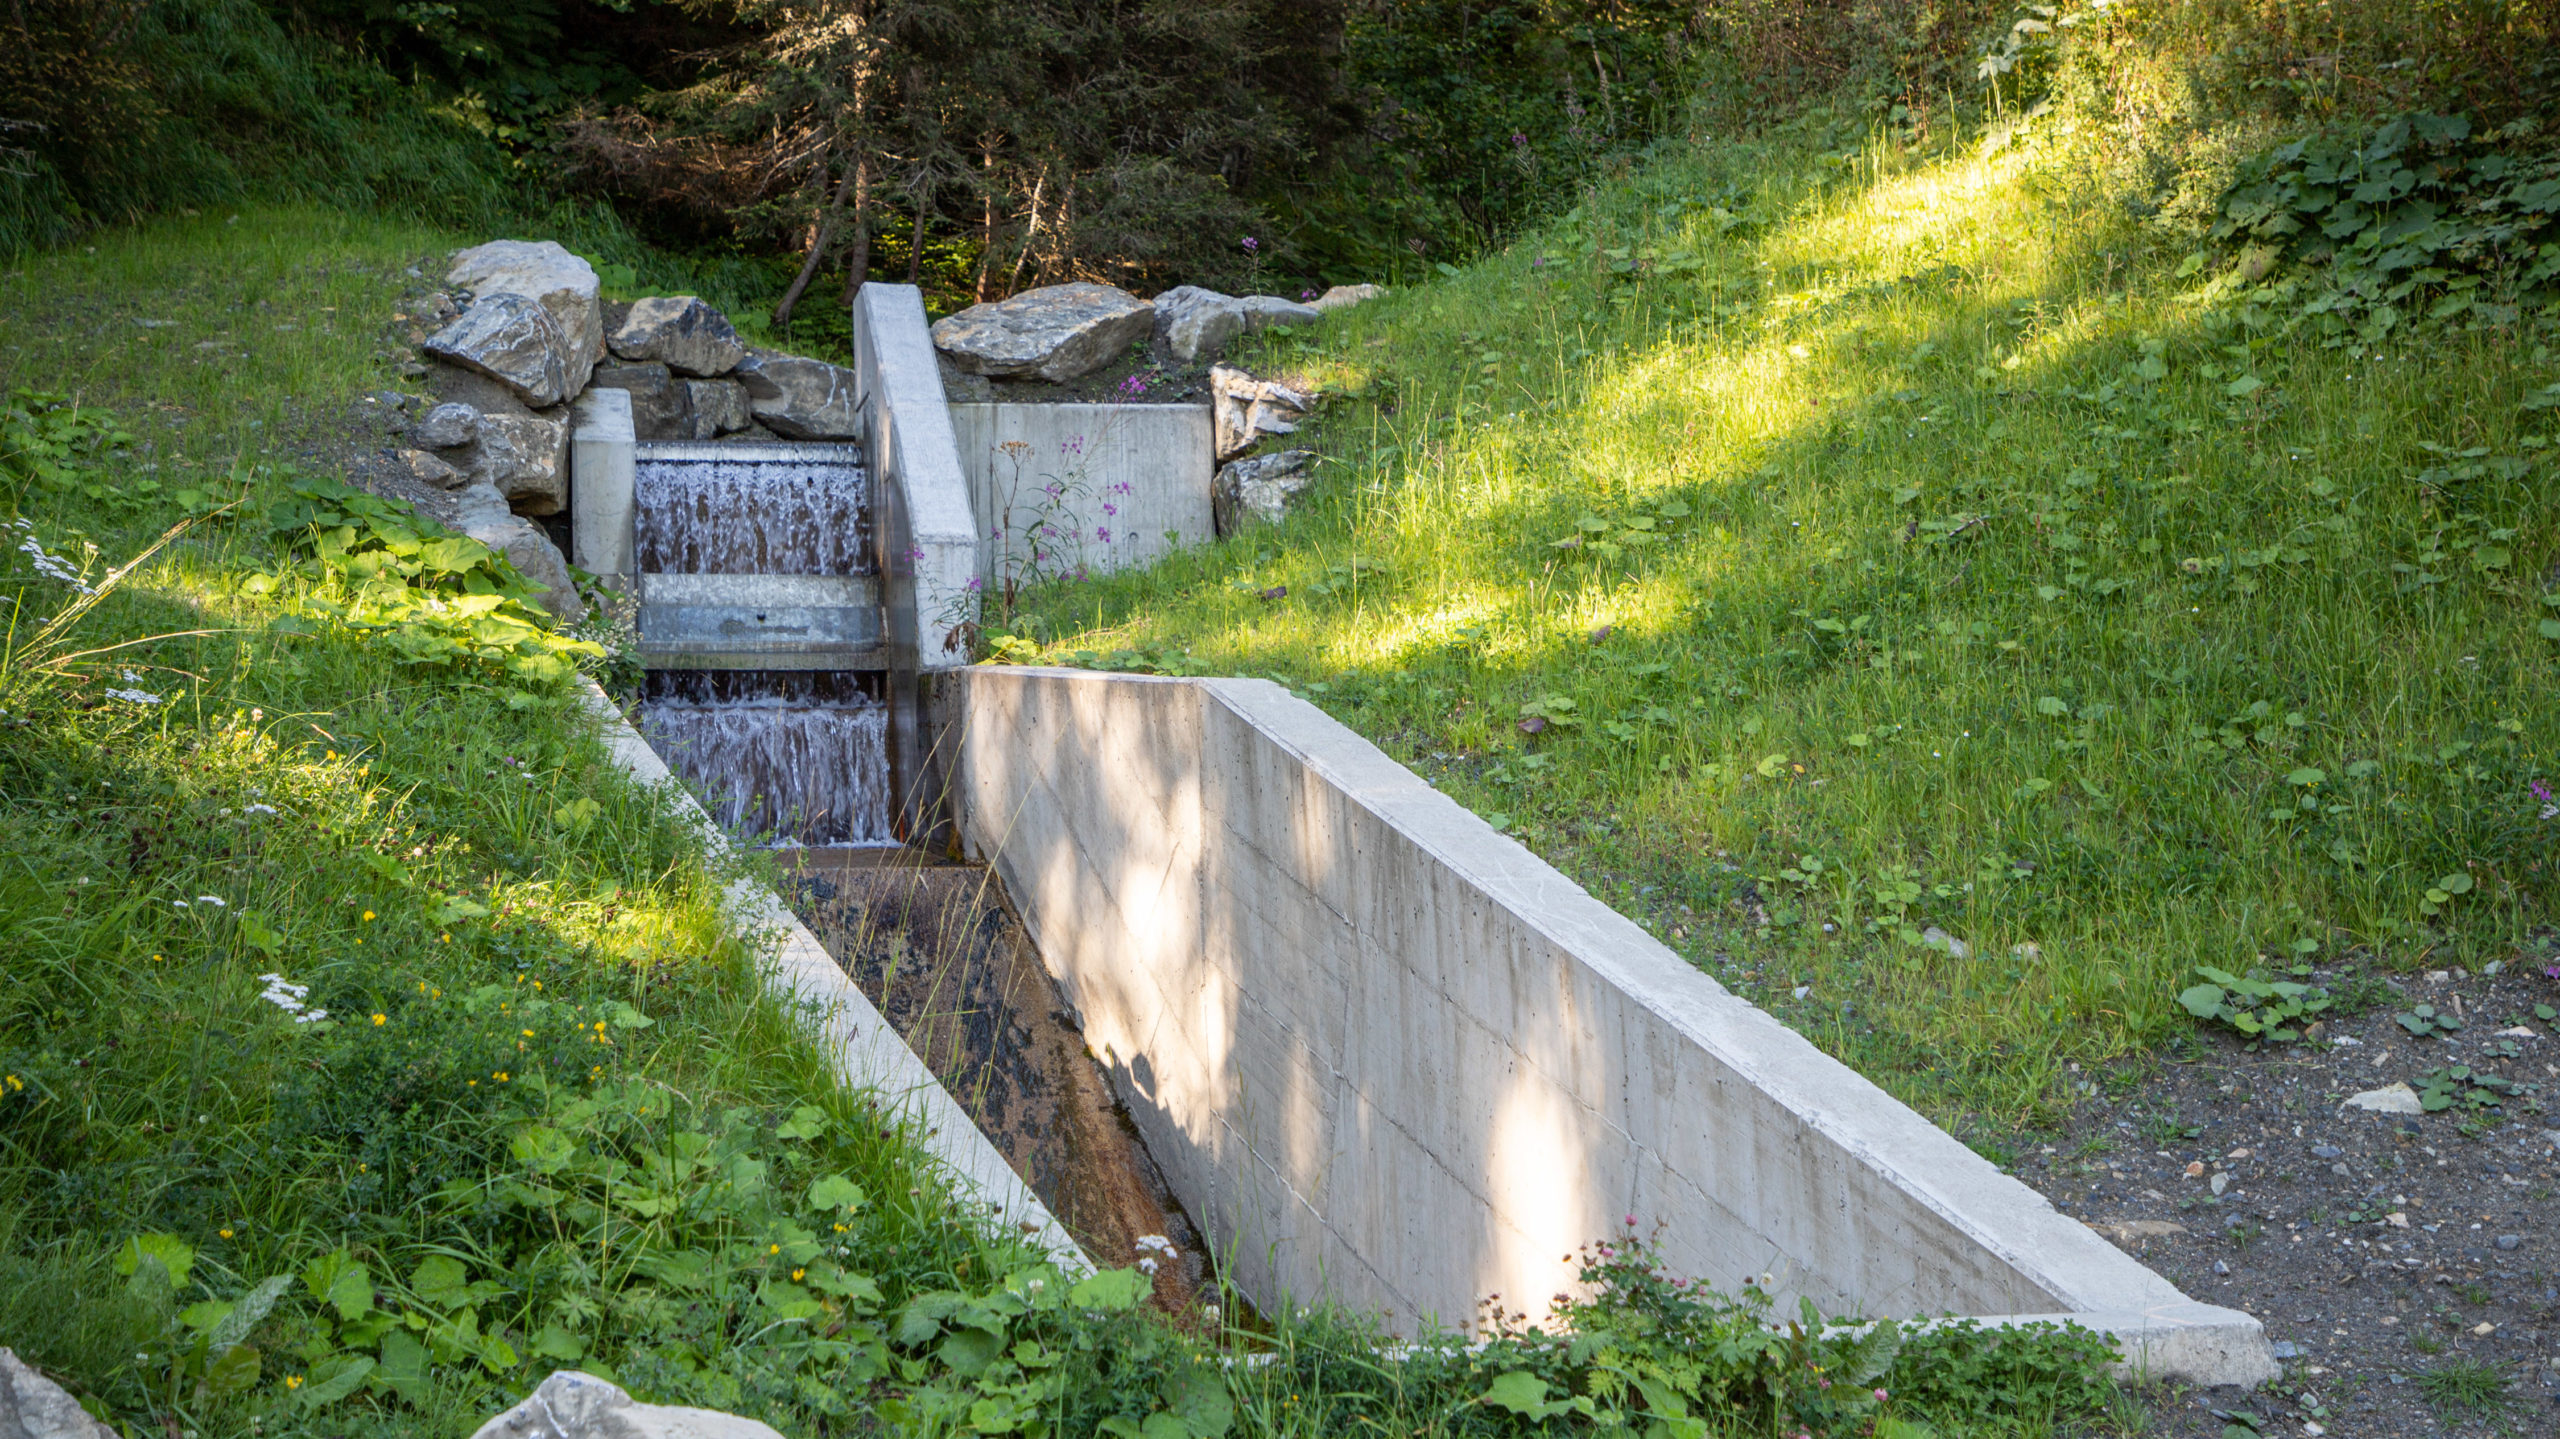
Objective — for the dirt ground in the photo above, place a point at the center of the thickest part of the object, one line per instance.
(2407, 1266)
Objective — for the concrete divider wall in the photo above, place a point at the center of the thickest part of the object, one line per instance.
(1385, 1055)
(1125, 477)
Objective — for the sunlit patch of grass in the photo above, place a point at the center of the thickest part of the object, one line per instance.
(2087, 616)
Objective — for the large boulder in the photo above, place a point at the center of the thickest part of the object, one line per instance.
(1266, 312)
(1343, 297)
(34, 1407)
(571, 1405)
(1058, 332)
(1261, 488)
(483, 514)
(719, 407)
(689, 336)
(525, 457)
(661, 405)
(1193, 324)
(1246, 409)
(514, 341)
(561, 283)
(799, 398)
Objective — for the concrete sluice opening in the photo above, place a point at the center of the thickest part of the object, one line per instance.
(937, 950)
(783, 757)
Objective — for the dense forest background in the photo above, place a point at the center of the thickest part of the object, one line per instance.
(787, 148)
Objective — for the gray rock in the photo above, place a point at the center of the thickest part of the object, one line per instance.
(2389, 1099)
(2285, 1349)
(1936, 938)
(483, 514)
(801, 399)
(2327, 1151)
(719, 407)
(34, 1407)
(1265, 312)
(428, 469)
(1259, 489)
(661, 405)
(1193, 324)
(689, 336)
(561, 283)
(1343, 297)
(446, 426)
(452, 384)
(1247, 409)
(512, 340)
(526, 458)
(1057, 332)
(958, 384)
(2510, 1242)
(571, 1405)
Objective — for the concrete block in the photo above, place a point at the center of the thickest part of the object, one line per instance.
(602, 475)
(1384, 1053)
(1092, 487)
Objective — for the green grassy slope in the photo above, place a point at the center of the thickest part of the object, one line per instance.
(1889, 541)
(504, 933)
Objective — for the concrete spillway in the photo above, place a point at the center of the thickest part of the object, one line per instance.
(1381, 1053)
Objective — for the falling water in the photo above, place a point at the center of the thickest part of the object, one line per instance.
(798, 757)
(753, 510)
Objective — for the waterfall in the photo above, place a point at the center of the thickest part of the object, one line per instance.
(801, 758)
(718, 510)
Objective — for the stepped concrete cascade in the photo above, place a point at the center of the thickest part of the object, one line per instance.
(756, 557)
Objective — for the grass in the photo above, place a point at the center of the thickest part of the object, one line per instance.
(371, 1046)
(1811, 548)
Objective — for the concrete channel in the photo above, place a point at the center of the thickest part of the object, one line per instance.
(1381, 1055)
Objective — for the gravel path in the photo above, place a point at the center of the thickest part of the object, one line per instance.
(2401, 1262)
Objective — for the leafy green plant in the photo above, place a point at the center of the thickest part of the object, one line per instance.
(431, 596)
(2257, 1007)
(2441, 1089)
(2417, 218)
(52, 447)
(2425, 1021)
(1639, 529)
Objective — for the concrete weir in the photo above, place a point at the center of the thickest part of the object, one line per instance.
(1383, 1055)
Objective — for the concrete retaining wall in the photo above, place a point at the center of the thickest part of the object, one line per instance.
(1385, 1054)
(1095, 487)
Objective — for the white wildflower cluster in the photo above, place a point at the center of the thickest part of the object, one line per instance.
(217, 901)
(48, 564)
(1153, 1250)
(135, 694)
(284, 994)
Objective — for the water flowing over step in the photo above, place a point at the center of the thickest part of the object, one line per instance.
(756, 557)
(795, 758)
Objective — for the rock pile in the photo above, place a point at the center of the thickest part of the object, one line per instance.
(526, 333)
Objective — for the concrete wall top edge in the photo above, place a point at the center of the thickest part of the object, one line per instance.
(776, 452)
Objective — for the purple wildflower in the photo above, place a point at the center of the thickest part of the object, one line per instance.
(915, 553)
(1102, 533)
(1109, 508)
(976, 583)
(1519, 139)
(1251, 244)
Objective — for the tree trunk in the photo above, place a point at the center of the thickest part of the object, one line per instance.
(1030, 235)
(858, 262)
(818, 242)
(915, 242)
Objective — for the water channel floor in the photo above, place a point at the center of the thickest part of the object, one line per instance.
(934, 946)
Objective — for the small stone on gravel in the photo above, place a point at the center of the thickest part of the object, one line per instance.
(2510, 1241)
(2327, 1151)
